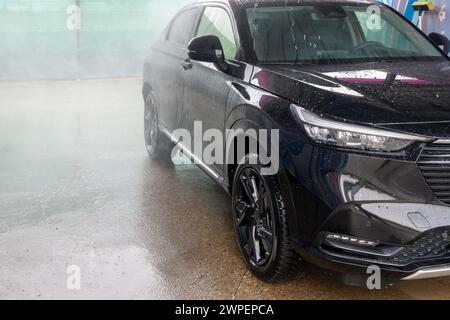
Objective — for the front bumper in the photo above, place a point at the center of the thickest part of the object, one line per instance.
(429, 273)
(356, 273)
(384, 202)
(405, 241)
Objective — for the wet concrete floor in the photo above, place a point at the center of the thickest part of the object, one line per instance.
(76, 188)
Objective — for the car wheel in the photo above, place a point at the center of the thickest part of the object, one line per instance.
(158, 146)
(260, 223)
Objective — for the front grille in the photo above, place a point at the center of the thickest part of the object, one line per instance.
(435, 244)
(434, 163)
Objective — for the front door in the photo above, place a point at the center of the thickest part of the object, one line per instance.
(168, 62)
(207, 86)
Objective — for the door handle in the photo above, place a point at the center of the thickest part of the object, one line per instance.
(187, 64)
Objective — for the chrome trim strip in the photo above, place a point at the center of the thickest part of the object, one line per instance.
(192, 156)
(442, 141)
(315, 120)
(428, 273)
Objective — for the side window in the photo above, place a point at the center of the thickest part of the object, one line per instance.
(181, 30)
(216, 21)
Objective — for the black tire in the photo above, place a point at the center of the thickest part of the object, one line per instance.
(270, 234)
(157, 144)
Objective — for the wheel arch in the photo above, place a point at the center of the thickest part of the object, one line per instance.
(246, 117)
(239, 130)
(242, 118)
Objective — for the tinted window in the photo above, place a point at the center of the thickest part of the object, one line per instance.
(332, 33)
(182, 28)
(216, 21)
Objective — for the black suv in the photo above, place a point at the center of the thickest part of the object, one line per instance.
(361, 100)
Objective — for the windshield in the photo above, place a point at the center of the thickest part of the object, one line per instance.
(333, 33)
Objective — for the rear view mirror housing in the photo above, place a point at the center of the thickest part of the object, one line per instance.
(206, 49)
(441, 41)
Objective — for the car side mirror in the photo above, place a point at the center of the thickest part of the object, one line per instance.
(441, 41)
(206, 49)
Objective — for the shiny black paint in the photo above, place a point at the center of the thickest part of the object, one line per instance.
(410, 97)
(409, 92)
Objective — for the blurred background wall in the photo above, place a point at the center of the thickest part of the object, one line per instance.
(77, 39)
(435, 21)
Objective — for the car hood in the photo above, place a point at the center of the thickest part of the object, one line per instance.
(407, 96)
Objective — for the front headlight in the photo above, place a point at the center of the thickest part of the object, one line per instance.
(345, 135)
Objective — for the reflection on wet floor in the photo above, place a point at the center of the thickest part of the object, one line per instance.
(76, 188)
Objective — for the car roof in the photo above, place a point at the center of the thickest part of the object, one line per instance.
(250, 2)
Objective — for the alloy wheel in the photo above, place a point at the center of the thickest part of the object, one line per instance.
(150, 125)
(254, 218)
